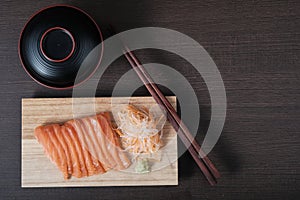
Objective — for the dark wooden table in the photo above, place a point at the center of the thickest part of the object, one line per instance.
(256, 46)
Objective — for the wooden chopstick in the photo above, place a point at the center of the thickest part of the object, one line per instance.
(207, 170)
(174, 114)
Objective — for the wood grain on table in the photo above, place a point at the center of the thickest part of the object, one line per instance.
(255, 45)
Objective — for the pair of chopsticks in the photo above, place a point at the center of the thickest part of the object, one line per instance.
(203, 162)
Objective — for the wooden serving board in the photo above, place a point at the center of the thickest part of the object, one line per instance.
(39, 171)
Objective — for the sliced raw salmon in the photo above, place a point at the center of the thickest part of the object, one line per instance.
(76, 166)
(86, 144)
(65, 148)
(62, 159)
(99, 151)
(83, 147)
(79, 149)
(44, 135)
(114, 146)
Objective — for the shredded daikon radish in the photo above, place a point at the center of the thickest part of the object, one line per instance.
(140, 129)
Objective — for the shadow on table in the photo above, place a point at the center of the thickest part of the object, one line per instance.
(224, 156)
(228, 156)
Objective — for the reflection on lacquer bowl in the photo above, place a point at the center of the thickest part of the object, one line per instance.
(54, 44)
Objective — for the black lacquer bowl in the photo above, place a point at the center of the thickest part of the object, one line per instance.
(55, 43)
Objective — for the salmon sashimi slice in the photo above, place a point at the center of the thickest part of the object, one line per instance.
(102, 153)
(98, 152)
(85, 142)
(94, 147)
(108, 118)
(114, 147)
(99, 167)
(79, 149)
(62, 162)
(76, 171)
(90, 165)
(91, 169)
(61, 140)
(44, 135)
(111, 147)
(42, 138)
(95, 167)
